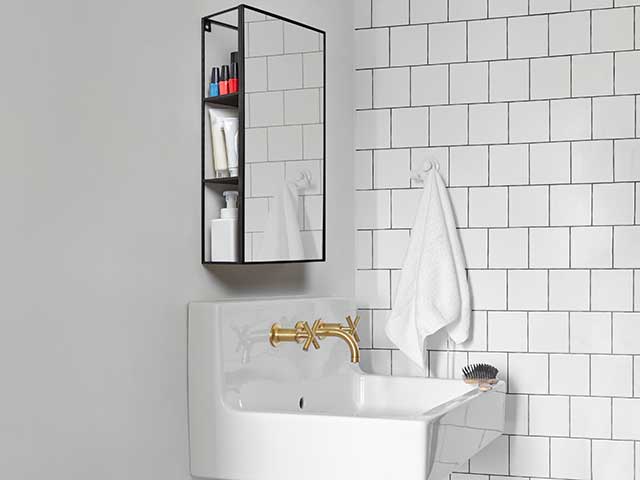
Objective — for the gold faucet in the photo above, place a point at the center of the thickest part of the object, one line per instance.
(302, 332)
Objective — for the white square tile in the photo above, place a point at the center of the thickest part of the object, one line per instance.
(507, 331)
(405, 205)
(284, 72)
(469, 82)
(255, 144)
(373, 129)
(550, 77)
(570, 204)
(569, 374)
(301, 106)
(363, 170)
(488, 207)
(592, 161)
(591, 247)
(469, 166)
(389, 248)
(363, 88)
(591, 417)
(627, 72)
(389, 12)
(546, 6)
(256, 74)
(428, 12)
(487, 39)
(528, 206)
(459, 201)
(611, 375)
(509, 80)
(271, 38)
(626, 413)
(508, 164)
(612, 459)
(488, 123)
(376, 362)
(300, 39)
(379, 321)
(528, 122)
(409, 45)
(508, 8)
(440, 155)
(528, 36)
(612, 29)
(265, 109)
(527, 290)
(528, 374)
(549, 332)
(285, 143)
(448, 125)
(590, 332)
(613, 117)
(270, 174)
(508, 248)
(592, 74)
(474, 245)
(365, 328)
(373, 289)
(627, 160)
(625, 245)
(590, 4)
(569, 290)
(516, 414)
(447, 42)
(626, 331)
(364, 249)
(373, 209)
(488, 289)
(529, 456)
(372, 48)
(549, 247)
(569, 33)
(391, 87)
(477, 340)
(410, 127)
(361, 13)
(549, 416)
(571, 119)
(313, 141)
(571, 458)
(466, 9)
(442, 364)
(391, 168)
(436, 77)
(612, 290)
(550, 162)
(494, 458)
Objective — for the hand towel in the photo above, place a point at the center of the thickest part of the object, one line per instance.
(433, 292)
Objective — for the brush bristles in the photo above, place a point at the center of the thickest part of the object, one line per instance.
(480, 371)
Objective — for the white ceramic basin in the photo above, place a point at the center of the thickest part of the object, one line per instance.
(261, 413)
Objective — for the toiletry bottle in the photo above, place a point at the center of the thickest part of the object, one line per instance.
(231, 141)
(224, 231)
(215, 78)
(218, 146)
(224, 80)
(233, 78)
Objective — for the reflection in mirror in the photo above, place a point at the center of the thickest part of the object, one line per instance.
(284, 140)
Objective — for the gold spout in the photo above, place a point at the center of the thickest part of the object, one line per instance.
(310, 335)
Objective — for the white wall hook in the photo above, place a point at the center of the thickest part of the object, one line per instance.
(418, 174)
(303, 180)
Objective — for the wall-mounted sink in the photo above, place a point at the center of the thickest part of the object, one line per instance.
(260, 413)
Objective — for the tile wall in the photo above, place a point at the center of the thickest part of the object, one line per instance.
(531, 109)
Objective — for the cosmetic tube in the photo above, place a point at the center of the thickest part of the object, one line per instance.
(218, 147)
(231, 140)
(223, 84)
(213, 86)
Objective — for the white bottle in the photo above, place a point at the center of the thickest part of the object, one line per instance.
(224, 231)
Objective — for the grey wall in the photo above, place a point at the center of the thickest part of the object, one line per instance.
(99, 244)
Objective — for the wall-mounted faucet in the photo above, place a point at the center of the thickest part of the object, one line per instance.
(302, 332)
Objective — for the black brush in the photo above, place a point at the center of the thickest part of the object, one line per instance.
(481, 374)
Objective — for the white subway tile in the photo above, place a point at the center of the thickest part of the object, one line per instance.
(389, 12)
(440, 155)
(569, 33)
(626, 331)
(271, 35)
(528, 36)
(488, 39)
(516, 415)
(405, 206)
(459, 201)
(488, 123)
(448, 125)
(626, 418)
(528, 206)
(363, 249)
(551, 77)
(363, 170)
(488, 207)
(427, 12)
(364, 88)
(569, 290)
(508, 164)
(529, 456)
(373, 289)
(447, 42)
(590, 4)
(611, 375)
(391, 87)
(612, 459)
(549, 332)
(528, 374)
(509, 80)
(612, 29)
(546, 6)
(285, 143)
(488, 289)
(590, 332)
(570, 204)
(372, 48)
(494, 458)
(571, 458)
(591, 247)
(550, 162)
(429, 85)
(571, 119)
(284, 72)
(391, 168)
(376, 362)
(373, 129)
(409, 45)
(469, 166)
(612, 290)
(549, 247)
(627, 160)
(477, 340)
(379, 321)
(592, 75)
(507, 8)
(361, 13)
(591, 417)
(529, 122)
(627, 72)
(297, 39)
(592, 161)
(474, 245)
(507, 331)
(527, 290)
(265, 109)
(613, 203)
(625, 245)
(467, 9)
(469, 82)
(389, 248)
(508, 248)
(410, 127)
(549, 416)
(569, 374)
(404, 366)
(613, 117)
(373, 209)
(626, 3)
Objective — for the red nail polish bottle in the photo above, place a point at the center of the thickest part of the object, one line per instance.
(233, 78)
(224, 80)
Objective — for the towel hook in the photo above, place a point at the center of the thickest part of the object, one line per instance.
(303, 180)
(418, 174)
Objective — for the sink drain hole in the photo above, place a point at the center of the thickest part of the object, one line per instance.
(301, 403)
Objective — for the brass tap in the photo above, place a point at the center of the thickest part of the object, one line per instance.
(318, 331)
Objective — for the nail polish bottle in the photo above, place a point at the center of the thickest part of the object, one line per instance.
(223, 84)
(215, 78)
(233, 78)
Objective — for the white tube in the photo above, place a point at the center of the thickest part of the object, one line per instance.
(231, 139)
(218, 148)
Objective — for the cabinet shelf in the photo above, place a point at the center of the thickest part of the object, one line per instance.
(230, 99)
(221, 181)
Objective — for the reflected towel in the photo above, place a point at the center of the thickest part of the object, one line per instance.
(282, 239)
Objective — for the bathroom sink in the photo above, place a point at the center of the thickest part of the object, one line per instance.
(259, 413)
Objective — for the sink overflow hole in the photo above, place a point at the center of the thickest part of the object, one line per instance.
(301, 403)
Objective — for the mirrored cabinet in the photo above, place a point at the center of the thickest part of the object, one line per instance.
(263, 139)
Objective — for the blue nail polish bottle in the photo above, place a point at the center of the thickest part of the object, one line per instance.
(214, 90)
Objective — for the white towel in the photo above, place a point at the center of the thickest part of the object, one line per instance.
(433, 292)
